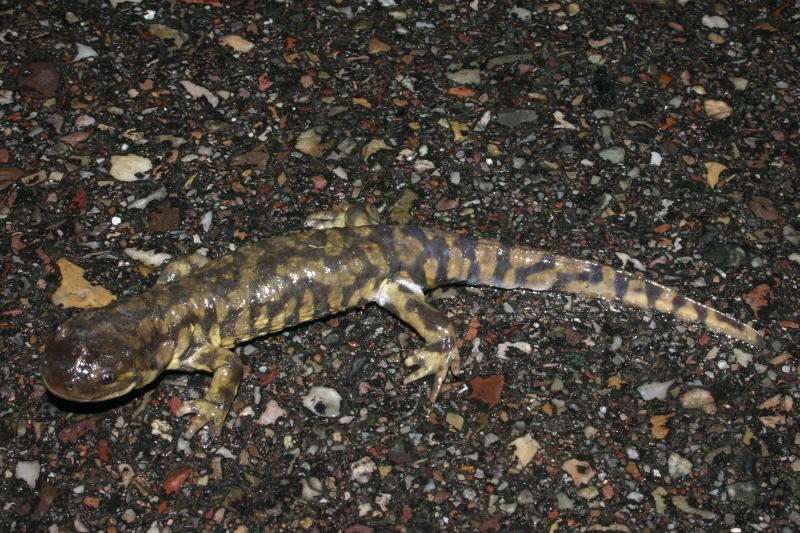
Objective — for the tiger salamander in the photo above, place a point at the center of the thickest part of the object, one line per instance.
(199, 309)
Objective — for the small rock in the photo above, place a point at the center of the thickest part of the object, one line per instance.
(165, 218)
(165, 33)
(446, 204)
(125, 167)
(239, 44)
(525, 449)
(454, 420)
(75, 291)
(717, 109)
(635, 496)
(28, 471)
(362, 470)
(141, 203)
(197, 91)
(376, 46)
(565, 503)
(512, 119)
(615, 154)
(588, 493)
(743, 491)
(147, 257)
(714, 21)
(699, 399)
(84, 121)
(310, 143)
(311, 488)
(655, 390)
(678, 466)
(742, 358)
(655, 159)
(41, 77)
(740, 84)
(323, 401)
(725, 255)
(255, 158)
(581, 472)
(465, 76)
(423, 165)
(8, 175)
(763, 208)
(84, 52)
(525, 497)
(789, 233)
(487, 390)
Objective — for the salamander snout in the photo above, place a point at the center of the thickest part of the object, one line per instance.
(81, 368)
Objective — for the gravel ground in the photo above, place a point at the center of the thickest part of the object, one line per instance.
(650, 135)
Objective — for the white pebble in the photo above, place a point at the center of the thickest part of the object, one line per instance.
(655, 159)
(84, 51)
(28, 471)
(655, 390)
(714, 21)
(323, 401)
(678, 466)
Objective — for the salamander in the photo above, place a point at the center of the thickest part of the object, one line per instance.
(199, 310)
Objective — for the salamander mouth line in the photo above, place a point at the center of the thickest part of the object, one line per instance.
(85, 399)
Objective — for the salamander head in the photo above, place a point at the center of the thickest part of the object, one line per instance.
(87, 362)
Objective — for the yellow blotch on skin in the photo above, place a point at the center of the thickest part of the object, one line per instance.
(307, 306)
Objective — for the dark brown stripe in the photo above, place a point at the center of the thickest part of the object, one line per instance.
(546, 263)
(621, 282)
(468, 247)
(652, 291)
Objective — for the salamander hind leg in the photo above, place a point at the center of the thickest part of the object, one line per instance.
(227, 373)
(344, 215)
(405, 300)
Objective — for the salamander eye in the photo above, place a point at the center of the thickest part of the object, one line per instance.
(108, 378)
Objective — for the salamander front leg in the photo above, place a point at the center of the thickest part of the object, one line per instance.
(344, 215)
(440, 353)
(212, 409)
(180, 267)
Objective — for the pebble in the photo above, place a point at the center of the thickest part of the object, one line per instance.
(655, 390)
(525, 497)
(84, 121)
(678, 466)
(84, 52)
(613, 155)
(791, 234)
(726, 255)
(565, 503)
(455, 421)
(361, 471)
(126, 167)
(655, 159)
(512, 119)
(743, 491)
(635, 496)
(714, 21)
(588, 493)
(467, 76)
(43, 78)
(742, 357)
(323, 401)
(28, 471)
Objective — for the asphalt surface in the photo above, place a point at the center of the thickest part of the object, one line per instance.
(658, 137)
